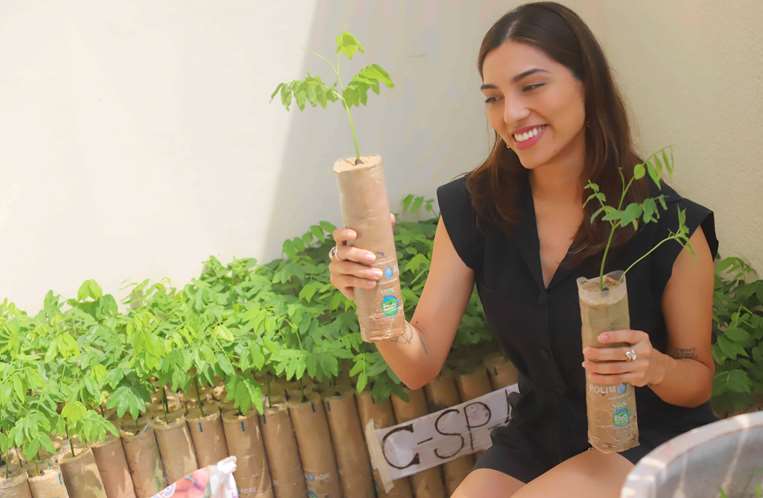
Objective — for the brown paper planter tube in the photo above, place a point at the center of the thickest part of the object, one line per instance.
(315, 448)
(50, 484)
(245, 443)
(15, 487)
(442, 393)
(112, 465)
(282, 453)
(382, 416)
(175, 446)
(142, 453)
(349, 445)
(365, 209)
(207, 435)
(611, 410)
(427, 483)
(501, 371)
(81, 476)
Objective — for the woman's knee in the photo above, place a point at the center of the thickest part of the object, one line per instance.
(487, 483)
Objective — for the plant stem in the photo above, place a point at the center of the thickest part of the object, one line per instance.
(164, 400)
(354, 135)
(344, 104)
(604, 257)
(198, 395)
(416, 279)
(615, 226)
(69, 438)
(672, 237)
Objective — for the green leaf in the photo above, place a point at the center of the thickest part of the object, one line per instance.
(257, 356)
(667, 159)
(225, 364)
(417, 204)
(308, 291)
(732, 381)
(631, 215)
(348, 45)
(222, 332)
(407, 202)
(654, 173)
(649, 210)
(729, 348)
(286, 95)
(300, 95)
(18, 389)
(317, 232)
(278, 88)
(612, 214)
(639, 171)
(327, 227)
(362, 382)
(30, 449)
(738, 335)
(73, 411)
(125, 400)
(89, 289)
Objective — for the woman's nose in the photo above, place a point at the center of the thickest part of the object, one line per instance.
(514, 111)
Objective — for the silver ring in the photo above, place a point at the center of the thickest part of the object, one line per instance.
(332, 254)
(631, 354)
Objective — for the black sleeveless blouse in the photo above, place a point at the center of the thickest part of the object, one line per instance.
(538, 328)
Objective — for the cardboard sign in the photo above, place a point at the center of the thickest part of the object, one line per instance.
(436, 438)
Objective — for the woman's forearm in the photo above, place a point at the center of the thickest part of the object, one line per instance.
(409, 357)
(685, 381)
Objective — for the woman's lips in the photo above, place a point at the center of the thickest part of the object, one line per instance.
(530, 142)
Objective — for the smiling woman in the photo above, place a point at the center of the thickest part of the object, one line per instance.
(518, 227)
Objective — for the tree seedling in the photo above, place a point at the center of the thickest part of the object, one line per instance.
(312, 90)
(647, 210)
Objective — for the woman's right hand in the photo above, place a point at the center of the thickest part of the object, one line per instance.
(353, 267)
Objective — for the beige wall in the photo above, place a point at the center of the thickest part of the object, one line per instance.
(692, 73)
(138, 138)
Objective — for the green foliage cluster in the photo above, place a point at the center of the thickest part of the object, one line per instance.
(738, 331)
(312, 90)
(80, 363)
(647, 211)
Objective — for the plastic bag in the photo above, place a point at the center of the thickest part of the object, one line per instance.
(212, 481)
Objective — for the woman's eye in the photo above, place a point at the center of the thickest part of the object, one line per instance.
(531, 87)
(490, 100)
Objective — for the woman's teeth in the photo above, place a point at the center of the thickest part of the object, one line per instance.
(527, 135)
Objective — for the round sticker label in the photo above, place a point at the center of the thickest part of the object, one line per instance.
(388, 272)
(390, 305)
(620, 417)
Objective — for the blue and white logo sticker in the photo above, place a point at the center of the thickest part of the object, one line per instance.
(621, 416)
(390, 305)
(388, 272)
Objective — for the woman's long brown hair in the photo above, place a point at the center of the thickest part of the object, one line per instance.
(495, 185)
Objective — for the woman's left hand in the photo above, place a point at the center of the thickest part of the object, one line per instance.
(611, 365)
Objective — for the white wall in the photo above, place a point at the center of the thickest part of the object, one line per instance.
(138, 138)
(692, 71)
